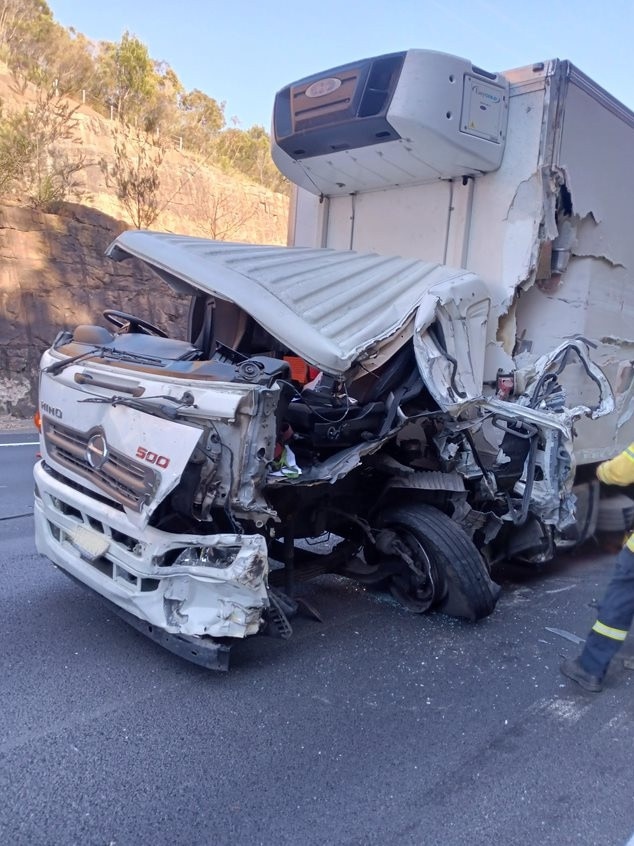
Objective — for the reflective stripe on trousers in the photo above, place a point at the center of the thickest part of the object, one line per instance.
(616, 611)
(608, 631)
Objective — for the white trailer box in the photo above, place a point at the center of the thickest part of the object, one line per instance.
(544, 218)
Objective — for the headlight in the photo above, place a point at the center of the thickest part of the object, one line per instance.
(208, 556)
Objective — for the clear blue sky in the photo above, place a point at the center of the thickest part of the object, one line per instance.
(243, 51)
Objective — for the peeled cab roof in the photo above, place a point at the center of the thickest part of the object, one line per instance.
(331, 307)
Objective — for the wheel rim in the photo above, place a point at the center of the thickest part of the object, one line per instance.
(418, 586)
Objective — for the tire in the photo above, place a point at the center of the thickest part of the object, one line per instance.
(465, 589)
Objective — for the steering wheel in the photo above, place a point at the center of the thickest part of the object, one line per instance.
(121, 319)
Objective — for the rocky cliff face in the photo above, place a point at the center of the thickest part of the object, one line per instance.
(54, 275)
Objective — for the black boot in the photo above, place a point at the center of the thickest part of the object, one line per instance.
(573, 670)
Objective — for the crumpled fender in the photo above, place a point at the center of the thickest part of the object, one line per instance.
(450, 336)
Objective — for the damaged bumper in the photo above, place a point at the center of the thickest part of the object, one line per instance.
(194, 586)
(205, 652)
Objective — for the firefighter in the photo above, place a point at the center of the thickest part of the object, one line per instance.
(616, 610)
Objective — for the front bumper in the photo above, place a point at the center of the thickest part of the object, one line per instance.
(97, 545)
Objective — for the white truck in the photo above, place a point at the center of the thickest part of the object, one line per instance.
(426, 376)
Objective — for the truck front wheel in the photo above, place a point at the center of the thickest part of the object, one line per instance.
(440, 567)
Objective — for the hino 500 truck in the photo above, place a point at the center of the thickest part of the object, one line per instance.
(426, 376)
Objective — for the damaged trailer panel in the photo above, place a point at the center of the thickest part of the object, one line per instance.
(547, 232)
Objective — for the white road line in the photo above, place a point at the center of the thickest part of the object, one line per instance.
(22, 443)
(630, 842)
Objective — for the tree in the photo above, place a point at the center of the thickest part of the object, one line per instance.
(222, 212)
(15, 149)
(39, 50)
(202, 118)
(28, 32)
(71, 62)
(136, 175)
(126, 74)
(249, 152)
(17, 17)
(161, 110)
(34, 156)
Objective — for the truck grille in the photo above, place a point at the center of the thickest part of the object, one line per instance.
(127, 482)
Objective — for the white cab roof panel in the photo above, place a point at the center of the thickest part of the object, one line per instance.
(332, 307)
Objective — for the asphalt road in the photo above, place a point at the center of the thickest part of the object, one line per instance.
(17, 453)
(374, 727)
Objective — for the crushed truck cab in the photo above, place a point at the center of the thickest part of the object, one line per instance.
(166, 480)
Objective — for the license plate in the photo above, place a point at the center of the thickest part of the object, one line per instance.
(89, 543)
